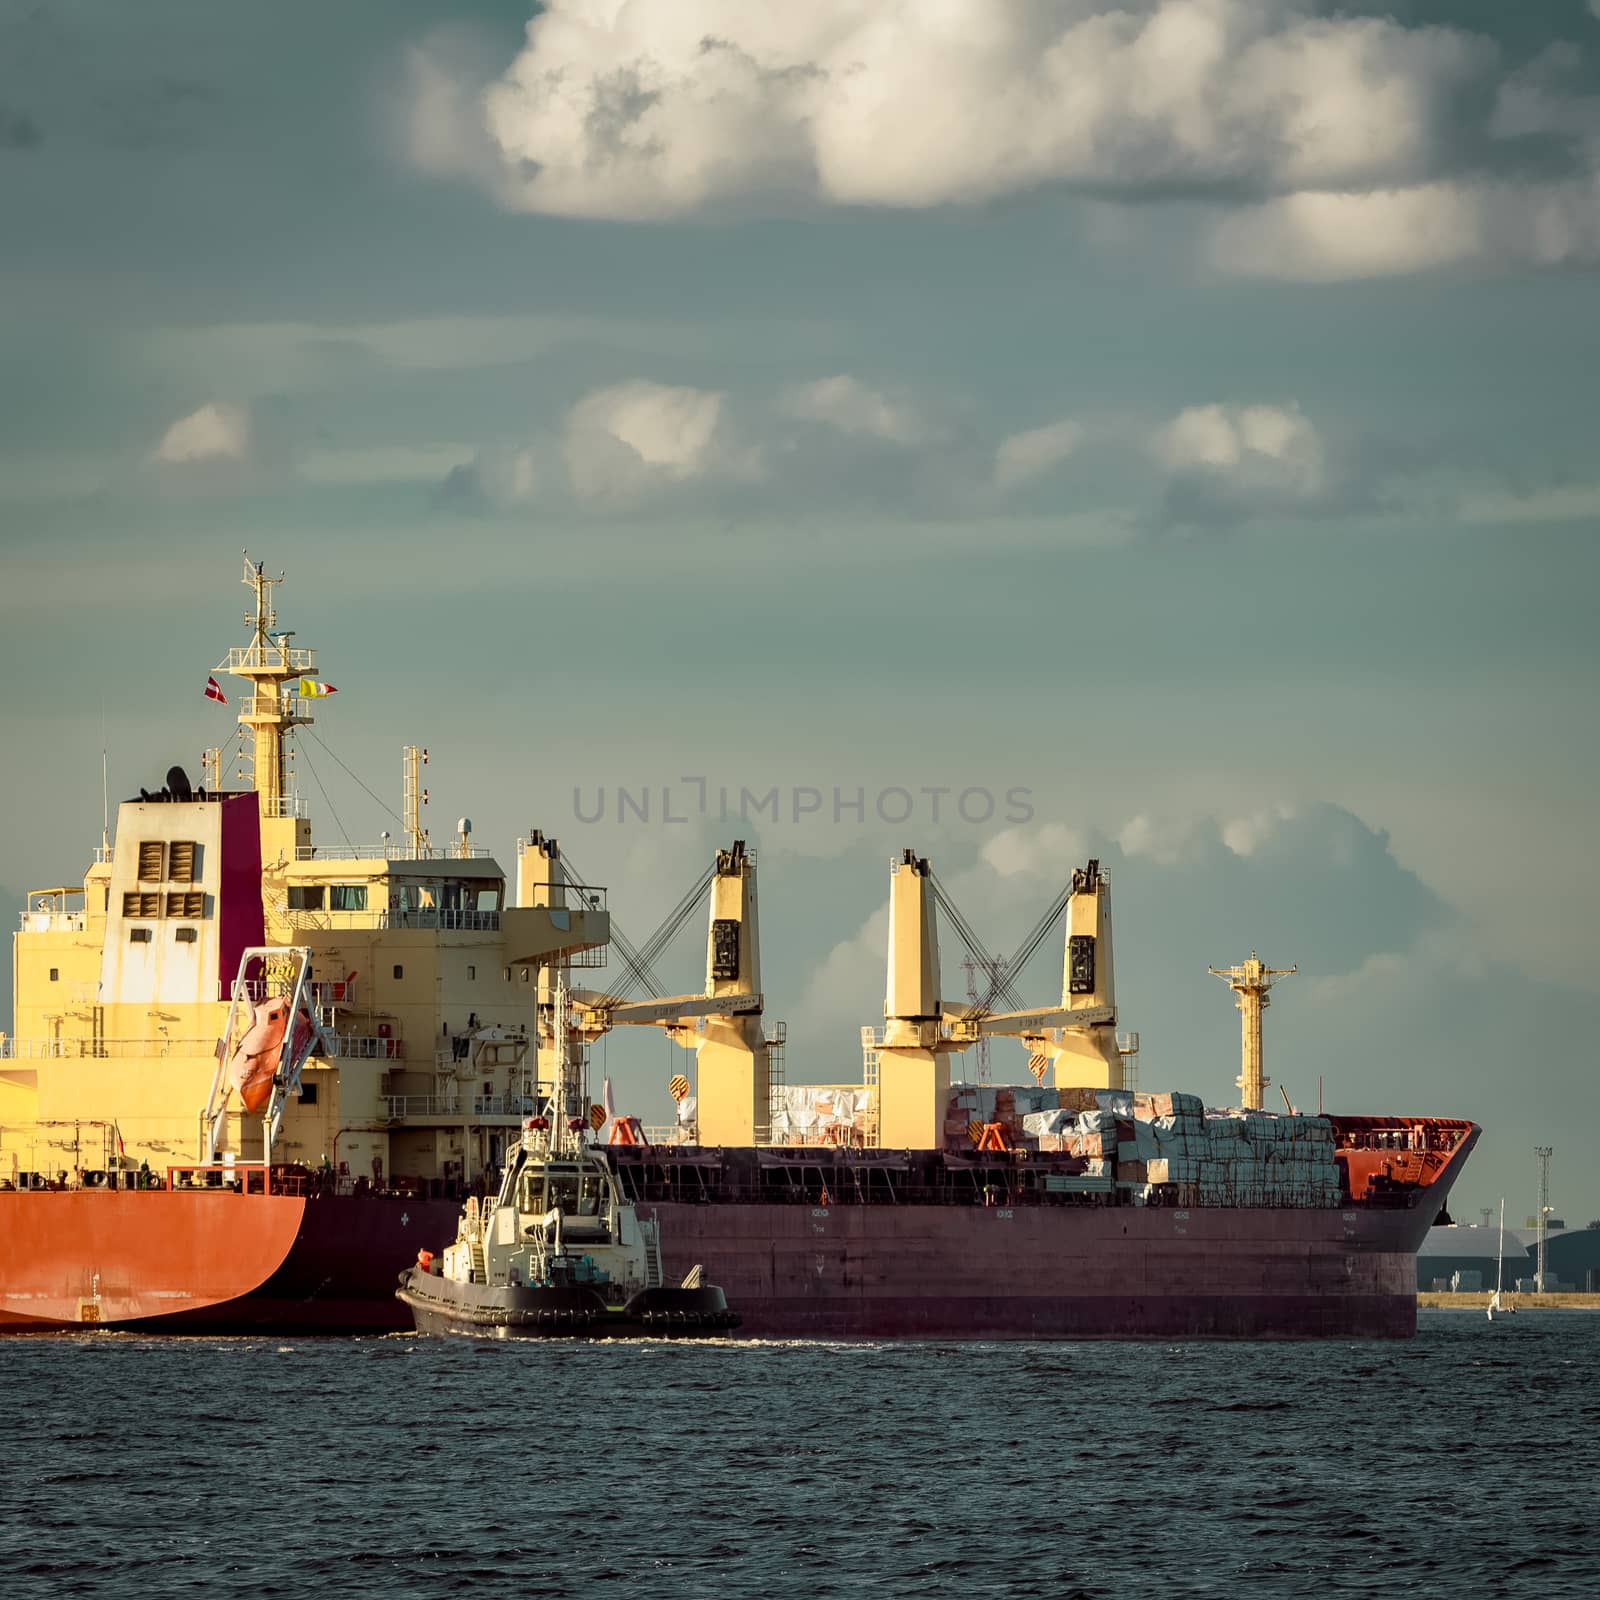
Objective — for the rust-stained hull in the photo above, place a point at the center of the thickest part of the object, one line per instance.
(226, 1263)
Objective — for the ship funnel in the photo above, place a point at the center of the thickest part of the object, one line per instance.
(540, 874)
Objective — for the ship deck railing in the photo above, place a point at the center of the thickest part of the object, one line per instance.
(102, 1048)
(364, 1047)
(269, 658)
(399, 1107)
(388, 850)
(54, 921)
(443, 920)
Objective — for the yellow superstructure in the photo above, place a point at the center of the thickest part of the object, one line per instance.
(424, 980)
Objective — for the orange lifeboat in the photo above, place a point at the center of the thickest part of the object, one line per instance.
(256, 1059)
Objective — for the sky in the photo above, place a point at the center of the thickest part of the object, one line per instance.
(1017, 430)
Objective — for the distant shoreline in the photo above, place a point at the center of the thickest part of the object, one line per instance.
(1478, 1300)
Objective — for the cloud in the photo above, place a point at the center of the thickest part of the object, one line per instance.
(636, 436)
(1323, 238)
(1230, 464)
(1547, 216)
(1313, 879)
(216, 432)
(641, 112)
(1027, 456)
(847, 404)
(1324, 146)
(498, 477)
(829, 441)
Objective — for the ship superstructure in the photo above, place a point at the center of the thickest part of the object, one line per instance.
(423, 972)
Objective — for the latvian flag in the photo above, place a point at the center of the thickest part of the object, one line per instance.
(214, 691)
(310, 689)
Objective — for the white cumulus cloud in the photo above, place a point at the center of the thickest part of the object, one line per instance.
(216, 432)
(1229, 463)
(1325, 237)
(614, 108)
(1026, 456)
(636, 435)
(853, 407)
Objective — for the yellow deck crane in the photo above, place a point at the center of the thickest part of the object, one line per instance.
(921, 1033)
(1076, 1039)
(722, 1025)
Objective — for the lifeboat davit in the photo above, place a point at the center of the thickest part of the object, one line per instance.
(251, 1070)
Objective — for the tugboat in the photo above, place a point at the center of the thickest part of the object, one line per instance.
(559, 1253)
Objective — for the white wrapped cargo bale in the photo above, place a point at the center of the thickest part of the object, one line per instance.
(1035, 1123)
(1119, 1102)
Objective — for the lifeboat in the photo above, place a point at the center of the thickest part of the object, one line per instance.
(251, 1069)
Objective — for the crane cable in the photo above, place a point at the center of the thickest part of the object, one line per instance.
(641, 960)
(669, 930)
(1027, 949)
(638, 974)
(992, 967)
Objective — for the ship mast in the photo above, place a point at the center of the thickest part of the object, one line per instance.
(268, 662)
(1250, 981)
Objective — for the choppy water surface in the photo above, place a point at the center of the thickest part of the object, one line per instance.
(1462, 1463)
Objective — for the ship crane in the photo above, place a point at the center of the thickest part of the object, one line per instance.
(1251, 980)
(1077, 1037)
(722, 1025)
(921, 1033)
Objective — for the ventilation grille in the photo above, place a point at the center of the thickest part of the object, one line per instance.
(152, 855)
(190, 903)
(180, 861)
(135, 904)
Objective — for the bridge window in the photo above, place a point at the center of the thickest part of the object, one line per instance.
(306, 896)
(347, 897)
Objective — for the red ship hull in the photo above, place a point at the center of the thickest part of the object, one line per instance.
(225, 1263)
(996, 1273)
(86, 1257)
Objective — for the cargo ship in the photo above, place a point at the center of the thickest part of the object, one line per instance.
(254, 1075)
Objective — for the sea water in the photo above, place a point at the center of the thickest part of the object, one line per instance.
(1461, 1463)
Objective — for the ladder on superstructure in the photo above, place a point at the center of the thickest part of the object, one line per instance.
(871, 1059)
(777, 1080)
